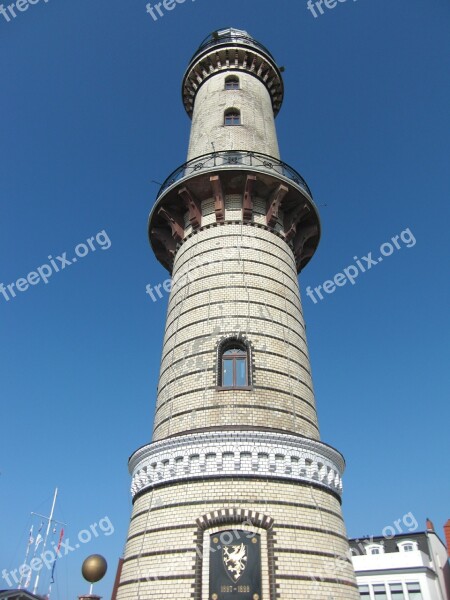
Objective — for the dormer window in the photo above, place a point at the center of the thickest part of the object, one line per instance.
(407, 546)
(375, 549)
(232, 82)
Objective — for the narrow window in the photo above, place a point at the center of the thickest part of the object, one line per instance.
(232, 82)
(364, 592)
(234, 368)
(414, 592)
(396, 591)
(379, 591)
(232, 116)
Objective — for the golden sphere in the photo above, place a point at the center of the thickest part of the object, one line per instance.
(94, 567)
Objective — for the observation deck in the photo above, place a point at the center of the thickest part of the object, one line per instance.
(249, 174)
(232, 50)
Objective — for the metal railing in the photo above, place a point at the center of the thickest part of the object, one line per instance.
(244, 159)
(230, 36)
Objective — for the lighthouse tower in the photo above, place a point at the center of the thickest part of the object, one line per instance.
(236, 497)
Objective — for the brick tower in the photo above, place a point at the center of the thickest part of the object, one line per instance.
(235, 497)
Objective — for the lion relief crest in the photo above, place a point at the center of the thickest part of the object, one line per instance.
(235, 560)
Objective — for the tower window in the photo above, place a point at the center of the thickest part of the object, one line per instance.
(232, 82)
(234, 368)
(234, 365)
(232, 117)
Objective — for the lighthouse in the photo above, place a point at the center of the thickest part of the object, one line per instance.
(236, 497)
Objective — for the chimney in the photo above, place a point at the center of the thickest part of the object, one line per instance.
(447, 536)
(430, 526)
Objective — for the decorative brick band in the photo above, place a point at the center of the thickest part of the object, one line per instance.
(232, 516)
(236, 55)
(238, 454)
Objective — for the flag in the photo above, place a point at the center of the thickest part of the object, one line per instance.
(28, 581)
(61, 535)
(30, 537)
(39, 536)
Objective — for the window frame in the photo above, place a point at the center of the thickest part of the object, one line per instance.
(397, 594)
(379, 591)
(371, 547)
(226, 346)
(234, 356)
(406, 543)
(364, 590)
(232, 79)
(232, 113)
(410, 592)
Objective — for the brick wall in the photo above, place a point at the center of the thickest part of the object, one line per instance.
(308, 538)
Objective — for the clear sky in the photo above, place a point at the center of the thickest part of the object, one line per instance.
(90, 115)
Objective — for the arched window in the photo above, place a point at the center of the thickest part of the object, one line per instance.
(407, 546)
(232, 82)
(232, 116)
(234, 363)
(374, 549)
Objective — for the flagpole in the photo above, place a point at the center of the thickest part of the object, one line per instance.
(30, 541)
(50, 519)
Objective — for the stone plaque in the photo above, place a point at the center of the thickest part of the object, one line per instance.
(235, 565)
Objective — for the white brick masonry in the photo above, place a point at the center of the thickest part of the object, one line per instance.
(240, 454)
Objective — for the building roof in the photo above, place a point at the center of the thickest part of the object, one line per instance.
(391, 544)
(18, 595)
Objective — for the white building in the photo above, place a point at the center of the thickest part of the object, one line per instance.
(411, 566)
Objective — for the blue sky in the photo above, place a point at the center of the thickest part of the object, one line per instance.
(91, 114)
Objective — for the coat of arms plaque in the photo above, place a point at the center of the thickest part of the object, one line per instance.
(235, 565)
